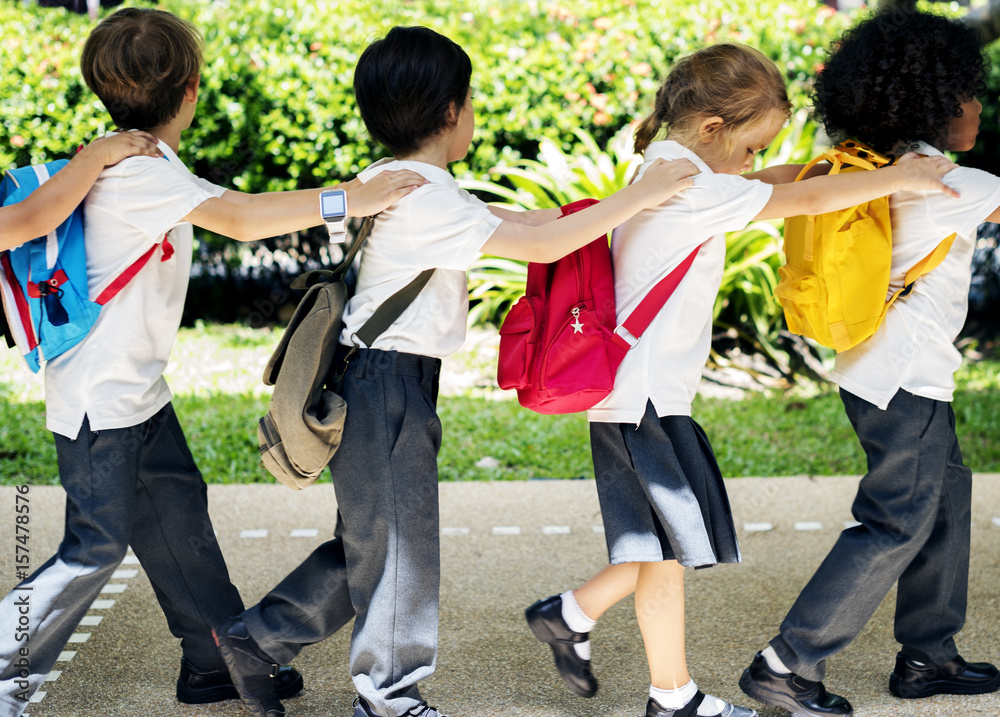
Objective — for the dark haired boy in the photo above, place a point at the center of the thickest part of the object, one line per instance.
(123, 459)
(413, 90)
(901, 81)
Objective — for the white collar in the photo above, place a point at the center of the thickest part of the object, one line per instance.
(919, 147)
(670, 149)
(429, 172)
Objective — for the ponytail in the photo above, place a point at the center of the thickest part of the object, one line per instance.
(646, 132)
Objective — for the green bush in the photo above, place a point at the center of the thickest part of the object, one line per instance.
(277, 110)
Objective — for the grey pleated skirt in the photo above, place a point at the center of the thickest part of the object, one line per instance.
(661, 492)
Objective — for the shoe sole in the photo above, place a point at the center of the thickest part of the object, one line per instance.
(544, 634)
(221, 693)
(900, 689)
(771, 698)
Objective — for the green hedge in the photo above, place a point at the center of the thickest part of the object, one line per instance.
(277, 110)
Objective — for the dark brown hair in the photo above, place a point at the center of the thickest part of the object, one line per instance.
(139, 61)
(407, 84)
(734, 82)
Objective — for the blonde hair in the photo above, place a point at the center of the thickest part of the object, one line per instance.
(734, 82)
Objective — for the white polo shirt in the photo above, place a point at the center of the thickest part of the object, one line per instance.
(115, 375)
(440, 226)
(914, 348)
(665, 367)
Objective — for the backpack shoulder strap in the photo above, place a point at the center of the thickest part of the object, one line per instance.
(924, 266)
(390, 310)
(628, 332)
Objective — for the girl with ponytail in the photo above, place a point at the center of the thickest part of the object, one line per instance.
(663, 500)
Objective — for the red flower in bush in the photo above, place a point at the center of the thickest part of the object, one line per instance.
(642, 69)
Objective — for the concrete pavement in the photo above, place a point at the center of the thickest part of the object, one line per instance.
(503, 546)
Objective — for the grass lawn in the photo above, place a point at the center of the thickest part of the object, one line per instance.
(218, 395)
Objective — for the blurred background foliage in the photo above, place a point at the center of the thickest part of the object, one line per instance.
(555, 87)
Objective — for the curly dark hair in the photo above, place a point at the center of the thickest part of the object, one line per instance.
(899, 76)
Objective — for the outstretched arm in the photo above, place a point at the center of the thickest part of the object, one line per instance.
(830, 193)
(549, 242)
(248, 217)
(533, 217)
(787, 173)
(48, 206)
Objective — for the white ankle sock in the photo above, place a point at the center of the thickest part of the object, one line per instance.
(677, 698)
(774, 662)
(577, 621)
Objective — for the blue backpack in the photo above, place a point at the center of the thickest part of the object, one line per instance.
(43, 282)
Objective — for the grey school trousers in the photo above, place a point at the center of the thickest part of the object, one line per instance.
(134, 486)
(383, 566)
(914, 506)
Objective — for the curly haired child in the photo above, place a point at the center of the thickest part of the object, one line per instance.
(901, 81)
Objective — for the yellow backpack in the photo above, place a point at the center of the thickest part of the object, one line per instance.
(835, 279)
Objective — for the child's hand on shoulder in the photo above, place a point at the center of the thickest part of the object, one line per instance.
(663, 179)
(112, 150)
(380, 192)
(925, 173)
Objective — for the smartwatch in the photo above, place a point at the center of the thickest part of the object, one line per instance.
(333, 208)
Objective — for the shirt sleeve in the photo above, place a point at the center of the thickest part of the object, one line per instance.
(448, 228)
(160, 195)
(717, 203)
(980, 197)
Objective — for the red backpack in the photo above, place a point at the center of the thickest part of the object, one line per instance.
(560, 344)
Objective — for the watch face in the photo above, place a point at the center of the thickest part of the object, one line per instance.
(333, 204)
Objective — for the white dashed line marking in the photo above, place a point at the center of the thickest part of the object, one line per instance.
(506, 530)
(114, 588)
(996, 521)
(304, 533)
(806, 525)
(454, 531)
(91, 620)
(130, 560)
(66, 655)
(37, 697)
(598, 528)
(851, 524)
(53, 676)
(124, 574)
(79, 637)
(757, 527)
(256, 533)
(102, 604)
(555, 530)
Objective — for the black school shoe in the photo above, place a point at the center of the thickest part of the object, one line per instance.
(546, 621)
(655, 709)
(912, 679)
(253, 672)
(201, 687)
(801, 697)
